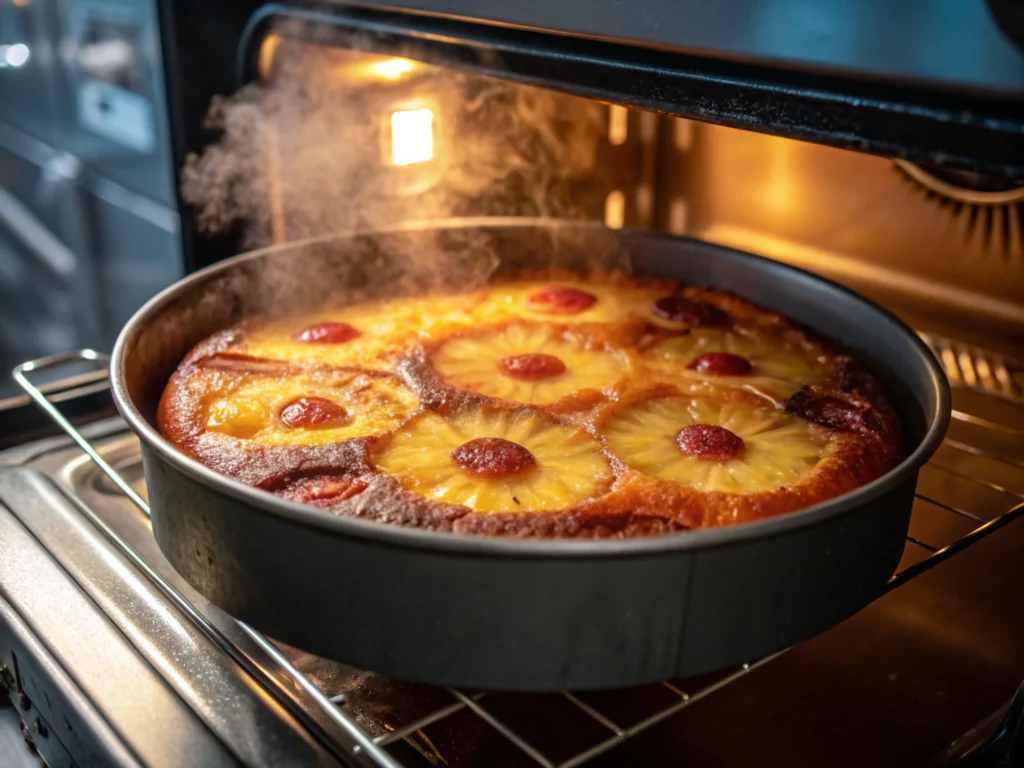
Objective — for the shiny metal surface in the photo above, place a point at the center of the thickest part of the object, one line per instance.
(979, 370)
(952, 43)
(206, 679)
(857, 220)
(75, 723)
(151, 724)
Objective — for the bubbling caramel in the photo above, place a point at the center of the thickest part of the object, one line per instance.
(680, 309)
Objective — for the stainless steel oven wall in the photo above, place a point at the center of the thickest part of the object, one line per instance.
(88, 222)
(944, 256)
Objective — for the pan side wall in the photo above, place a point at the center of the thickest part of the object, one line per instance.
(523, 623)
(526, 622)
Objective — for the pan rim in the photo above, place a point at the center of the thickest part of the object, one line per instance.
(388, 534)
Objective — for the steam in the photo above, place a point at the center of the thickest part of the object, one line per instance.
(306, 153)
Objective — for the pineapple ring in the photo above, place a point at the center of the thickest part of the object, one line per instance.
(612, 303)
(568, 466)
(260, 408)
(485, 363)
(779, 449)
(381, 329)
(779, 367)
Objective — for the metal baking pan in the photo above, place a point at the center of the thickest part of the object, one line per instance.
(497, 613)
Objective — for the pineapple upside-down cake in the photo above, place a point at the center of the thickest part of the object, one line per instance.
(553, 405)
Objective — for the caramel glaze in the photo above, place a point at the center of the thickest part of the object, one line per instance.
(340, 478)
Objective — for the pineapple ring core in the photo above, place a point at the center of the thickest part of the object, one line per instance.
(483, 363)
(777, 367)
(778, 449)
(568, 465)
(314, 409)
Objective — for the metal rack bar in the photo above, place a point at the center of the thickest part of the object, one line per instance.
(606, 722)
(921, 544)
(948, 508)
(979, 481)
(503, 729)
(438, 714)
(968, 418)
(686, 699)
(980, 370)
(975, 451)
(351, 740)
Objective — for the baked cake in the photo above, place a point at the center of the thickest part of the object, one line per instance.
(552, 406)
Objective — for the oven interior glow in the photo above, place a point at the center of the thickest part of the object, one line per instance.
(393, 68)
(412, 136)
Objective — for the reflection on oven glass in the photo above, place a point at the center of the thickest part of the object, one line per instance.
(14, 55)
(296, 155)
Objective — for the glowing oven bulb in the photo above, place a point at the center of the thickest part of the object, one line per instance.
(412, 136)
(392, 69)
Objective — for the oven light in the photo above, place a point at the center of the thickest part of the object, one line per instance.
(618, 125)
(615, 209)
(15, 55)
(412, 136)
(265, 62)
(393, 69)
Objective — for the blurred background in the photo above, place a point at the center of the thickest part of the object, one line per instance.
(88, 223)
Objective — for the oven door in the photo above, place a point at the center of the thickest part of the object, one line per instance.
(48, 290)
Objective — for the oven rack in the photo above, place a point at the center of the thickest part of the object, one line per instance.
(396, 746)
(980, 370)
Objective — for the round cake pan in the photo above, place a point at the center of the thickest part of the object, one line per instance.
(497, 613)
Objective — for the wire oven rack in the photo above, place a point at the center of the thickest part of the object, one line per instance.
(973, 485)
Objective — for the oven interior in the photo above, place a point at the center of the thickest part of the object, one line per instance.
(353, 129)
(330, 134)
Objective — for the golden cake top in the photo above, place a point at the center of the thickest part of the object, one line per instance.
(566, 406)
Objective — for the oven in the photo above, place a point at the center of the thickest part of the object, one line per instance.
(879, 146)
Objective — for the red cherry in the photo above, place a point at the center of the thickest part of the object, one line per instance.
(829, 412)
(531, 367)
(325, 491)
(492, 457)
(721, 364)
(328, 333)
(710, 442)
(314, 413)
(560, 300)
(680, 309)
